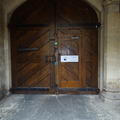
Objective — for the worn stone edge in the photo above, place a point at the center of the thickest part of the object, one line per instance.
(113, 97)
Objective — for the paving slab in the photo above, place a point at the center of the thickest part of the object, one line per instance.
(57, 107)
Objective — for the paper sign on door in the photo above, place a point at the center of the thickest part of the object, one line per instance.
(70, 58)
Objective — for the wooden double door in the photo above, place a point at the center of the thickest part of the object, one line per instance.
(48, 61)
(54, 47)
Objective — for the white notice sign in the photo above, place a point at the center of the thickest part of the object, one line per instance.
(70, 58)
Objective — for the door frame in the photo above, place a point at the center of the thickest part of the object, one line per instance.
(7, 50)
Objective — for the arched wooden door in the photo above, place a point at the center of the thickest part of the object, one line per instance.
(54, 47)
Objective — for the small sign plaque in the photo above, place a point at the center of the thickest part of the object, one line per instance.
(70, 58)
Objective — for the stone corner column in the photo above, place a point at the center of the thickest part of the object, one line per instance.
(111, 89)
(2, 67)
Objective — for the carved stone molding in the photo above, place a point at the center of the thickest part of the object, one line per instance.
(108, 2)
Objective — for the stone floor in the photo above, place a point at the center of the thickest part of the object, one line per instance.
(57, 107)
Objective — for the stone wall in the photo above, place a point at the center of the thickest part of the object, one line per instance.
(112, 49)
(2, 75)
(10, 6)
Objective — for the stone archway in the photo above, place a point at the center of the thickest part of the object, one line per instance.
(9, 13)
(107, 82)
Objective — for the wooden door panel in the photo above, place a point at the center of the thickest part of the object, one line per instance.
(35, 30)
(90, 58)
(40, 13)
(32, 75)
(74, 12)
(84, 43)
(69, 73)
(35, 56)
(69, 47)
(31, 67)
